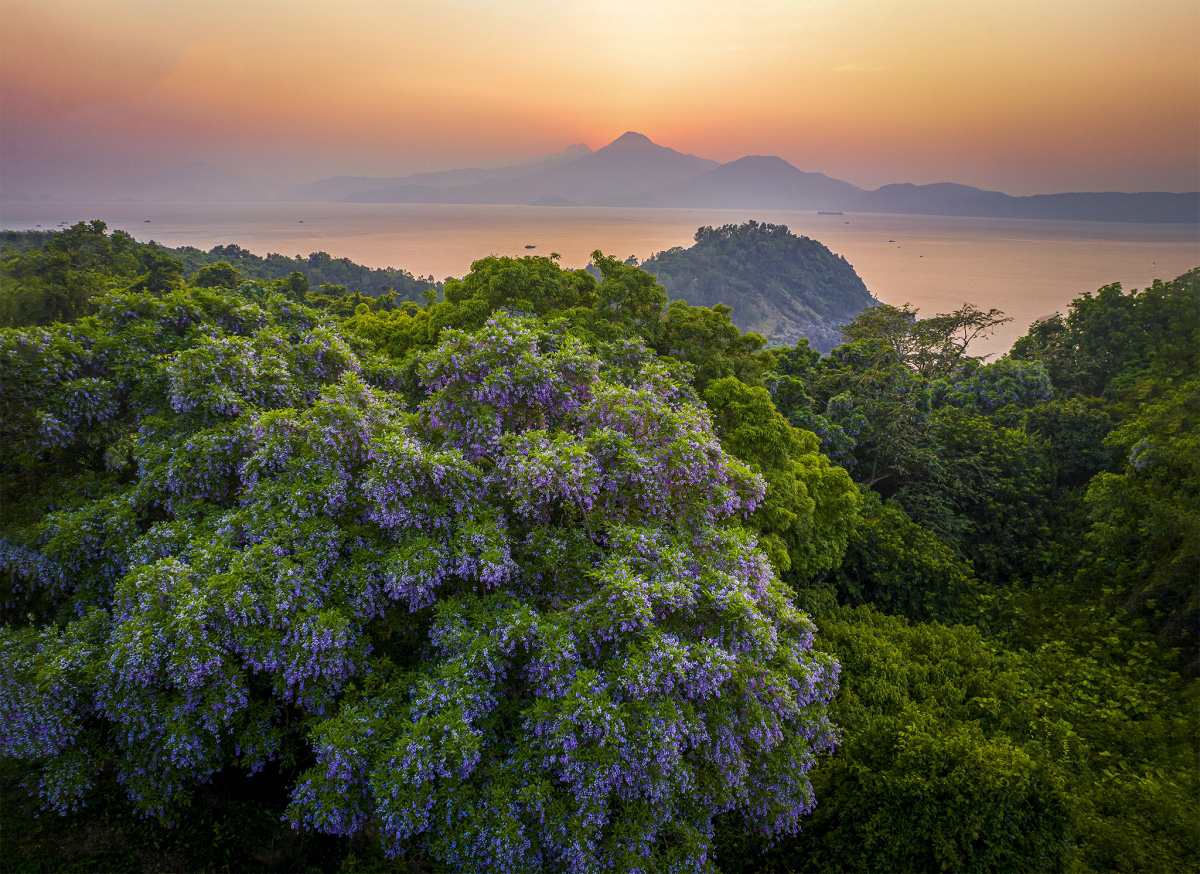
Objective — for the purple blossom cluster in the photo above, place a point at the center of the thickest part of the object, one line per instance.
(600, 658)
(28, 569)
(227, 375)
(81, 403)
(1141, 456)
(656, 664)
(497, 381)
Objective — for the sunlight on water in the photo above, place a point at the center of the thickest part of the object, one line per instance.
(1027, 268)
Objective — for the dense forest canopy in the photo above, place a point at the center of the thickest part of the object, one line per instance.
(49, 276)
(551, 572)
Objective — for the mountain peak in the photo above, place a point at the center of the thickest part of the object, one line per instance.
(764, 161)
(631, 138)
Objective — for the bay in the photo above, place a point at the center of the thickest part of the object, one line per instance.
(1028, 268)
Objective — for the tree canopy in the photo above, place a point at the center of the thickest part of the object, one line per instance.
(546, 571)
(518, 626)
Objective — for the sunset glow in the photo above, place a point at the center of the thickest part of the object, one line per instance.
(1020, 97)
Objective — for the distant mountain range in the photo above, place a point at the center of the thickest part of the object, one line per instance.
(633, 171)
(622, 170)
(355, 187)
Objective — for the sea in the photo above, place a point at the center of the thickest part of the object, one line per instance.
(1028, 268)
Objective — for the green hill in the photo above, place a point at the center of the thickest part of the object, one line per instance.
(780, 285)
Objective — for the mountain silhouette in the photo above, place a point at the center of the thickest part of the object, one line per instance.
(339, 187)
(634, 171)
(629, 164)
(947, 198)
(756, 181)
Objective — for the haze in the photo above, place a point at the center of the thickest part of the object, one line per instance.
(1049, 96)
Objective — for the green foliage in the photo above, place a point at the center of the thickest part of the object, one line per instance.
(927, 777)
(811, 507)
(1145, 534)
(219, 275)
(1137, 355)
(52, 276)
(47, 278)
(708, 340)
(959, 755)
(188, 461)
(916, 419)
(985, 492)
(869, 410)
(534, 285)
(1111, 339)
(1073, 431)
(628, 296)
(935, 346)
(319, 269)
(1134, 770)
(519, 628)
(902, 568)
(779, 285)
(625, 303)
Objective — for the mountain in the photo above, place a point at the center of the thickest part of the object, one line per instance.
(1145, 206)
(755, 182)
(946, 198)
(633, 171)
(780, 285)
(628, 165)
(942, 198)
(341, 187)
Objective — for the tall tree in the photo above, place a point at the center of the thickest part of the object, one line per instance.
(520, 628)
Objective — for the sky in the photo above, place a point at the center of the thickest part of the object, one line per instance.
(1023, 97)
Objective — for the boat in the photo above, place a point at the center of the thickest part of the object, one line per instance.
(531, 247)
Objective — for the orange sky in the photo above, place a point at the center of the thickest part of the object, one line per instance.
(1023, 97)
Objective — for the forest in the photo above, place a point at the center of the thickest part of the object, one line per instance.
(62, 269)
(540, 570)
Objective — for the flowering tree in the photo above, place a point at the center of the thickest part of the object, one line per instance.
(513, 618)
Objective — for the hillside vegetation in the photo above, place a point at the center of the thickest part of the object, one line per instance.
(552, 573)
(780, 285)
(49, 276)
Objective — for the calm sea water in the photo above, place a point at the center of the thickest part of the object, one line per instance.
(1029, 269)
